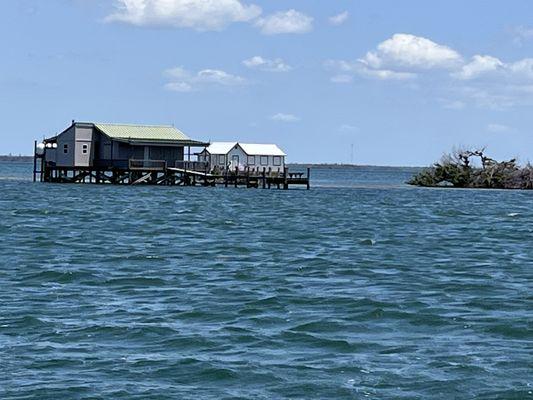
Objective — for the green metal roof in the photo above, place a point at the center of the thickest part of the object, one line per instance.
(143, 132)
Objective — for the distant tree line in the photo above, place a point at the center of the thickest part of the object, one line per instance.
(13, 158)
(473, 169)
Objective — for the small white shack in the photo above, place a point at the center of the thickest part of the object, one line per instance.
(254, 157)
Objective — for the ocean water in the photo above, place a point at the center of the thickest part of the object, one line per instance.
(361, 288)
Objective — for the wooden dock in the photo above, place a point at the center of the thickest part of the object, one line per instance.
(150, 172)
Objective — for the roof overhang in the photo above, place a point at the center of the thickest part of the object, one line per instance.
(153, 142)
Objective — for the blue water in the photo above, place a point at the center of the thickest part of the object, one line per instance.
(361, 288)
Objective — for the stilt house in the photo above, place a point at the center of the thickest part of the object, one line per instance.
(122, 146)
(253, 157)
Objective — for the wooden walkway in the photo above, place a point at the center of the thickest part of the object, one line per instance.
(172, 176)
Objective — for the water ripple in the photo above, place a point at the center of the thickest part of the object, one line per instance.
(359, 288)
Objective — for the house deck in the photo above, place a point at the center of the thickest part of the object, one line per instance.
(140, 172)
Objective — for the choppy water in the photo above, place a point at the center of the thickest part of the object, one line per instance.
(360, 288)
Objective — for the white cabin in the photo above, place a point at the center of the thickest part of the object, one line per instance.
(254, 157)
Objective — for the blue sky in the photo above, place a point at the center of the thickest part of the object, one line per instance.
(403, 82)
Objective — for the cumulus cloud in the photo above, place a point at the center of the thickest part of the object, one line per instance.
(290, 21)
(182, 80)
(522, 69)
(479, 65)
(202, 15)
(285, 117)
(409, 51)
(402, 57)
(264, 64)
(484, 80)
(386, 74)
(339, 19)
(344, 68)
(488, 66)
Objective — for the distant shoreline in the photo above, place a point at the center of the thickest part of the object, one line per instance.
(351, 166)
(20, 158)
(11, 158)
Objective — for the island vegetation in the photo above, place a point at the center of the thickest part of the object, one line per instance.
(474, 169)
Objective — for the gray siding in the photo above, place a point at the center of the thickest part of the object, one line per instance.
(51, 155)
(83, 151)
(105, 147)
(66, 148)
(168, 154)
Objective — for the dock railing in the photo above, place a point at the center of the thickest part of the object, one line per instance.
(197, 166)
(147, 165)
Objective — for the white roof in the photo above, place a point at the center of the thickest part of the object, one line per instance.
(220, 147)
(252, 149)
(262, 149)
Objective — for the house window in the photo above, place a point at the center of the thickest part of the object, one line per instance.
(222, 159)
(277, 161)
(85, 149)
(264, 160)
(65, 148)
(251, 160)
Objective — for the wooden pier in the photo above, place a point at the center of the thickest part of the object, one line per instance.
(154, 172)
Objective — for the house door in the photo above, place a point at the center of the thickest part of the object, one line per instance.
(235, 160)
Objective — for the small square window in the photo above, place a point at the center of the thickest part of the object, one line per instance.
(251, 160)
(65, 148)
(85, 149)
(277, 161)
(264, 160)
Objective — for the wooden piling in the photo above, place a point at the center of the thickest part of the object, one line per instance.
(252, 178)
(35, 161)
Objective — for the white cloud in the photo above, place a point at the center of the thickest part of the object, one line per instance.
(344, 68)
(402, 57)
(522, 34)
(497, 128)
(522, 69)
(409, 51)
(339, 19)
(202, 15)
(342, 78)
(219, 77)
(480, 65)
(452, 104)
(484, 80)
(263, 64)
(290, 21)
(285, 117)
(387, 74)
(182, 87)
(494, 97)
(181, 80)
